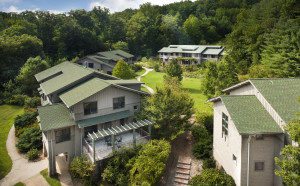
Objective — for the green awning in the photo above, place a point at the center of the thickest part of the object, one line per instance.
(103, 118)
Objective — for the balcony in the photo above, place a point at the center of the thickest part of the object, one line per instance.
(98, 146)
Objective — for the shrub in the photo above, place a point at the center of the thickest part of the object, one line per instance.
(209, 163)
(123, 70)
(136, 67)
(212, 177)
(25, 119)
(202, 149)
(18, 100)
(21, 130)
(173, 69)
(32, 154)
(29, 139)
(116, 171)
(32, 102)
(149, 165)
(156, 67)
(199, 132)
(205, 119)
(81, 168)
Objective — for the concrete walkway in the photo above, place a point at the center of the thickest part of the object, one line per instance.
(22, 169)
(36, 180)
(139, 79)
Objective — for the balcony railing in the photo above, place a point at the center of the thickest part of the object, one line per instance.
(103, 149)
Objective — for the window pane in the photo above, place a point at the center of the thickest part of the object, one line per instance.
(259, 166)
(90, 108)
(62, 135)
(118, 102)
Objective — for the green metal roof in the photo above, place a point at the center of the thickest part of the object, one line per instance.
(124, 81)
(54, 117)
(98, 60)
(103, 118)
(249, 116)
(115, 55)
(83, 91)
(283, 94)
(211, 49)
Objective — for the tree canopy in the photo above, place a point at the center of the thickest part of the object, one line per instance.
(123, 70)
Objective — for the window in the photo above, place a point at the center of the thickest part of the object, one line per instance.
(204, 55)
(62, 135)
(90, 108)
(91, 65)
(118, 102)
(259, 166)
(224, 125)
(259, 137)
(135, 107)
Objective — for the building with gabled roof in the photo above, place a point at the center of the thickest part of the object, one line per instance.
(249, 128)
(85, 111)
(105, 61)
(186, 53)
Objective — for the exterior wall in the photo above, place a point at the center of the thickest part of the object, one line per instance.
(261, 150)
(244, 90)
(223, 150)
(105, 102)
(165, 57)
(97, 66)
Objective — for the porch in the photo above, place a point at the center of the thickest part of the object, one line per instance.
(99, 145)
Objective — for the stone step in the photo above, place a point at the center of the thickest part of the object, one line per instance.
(181, 181)
(180, 184)
(185, 160)
(184, 166)
(183, 171)
(182, 176)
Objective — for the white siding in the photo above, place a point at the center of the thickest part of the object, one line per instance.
(105, 102)
(223, 150)
(261, 150)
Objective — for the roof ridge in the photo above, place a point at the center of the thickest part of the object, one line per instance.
(273, 78)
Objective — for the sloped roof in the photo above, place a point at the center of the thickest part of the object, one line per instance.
(54, 116)
(211, 51)
(83, 91)
(115, 55)
(99, 60)
(249, 116)
(65, 74)
(283, 94)
(191, 49)
(124, 81)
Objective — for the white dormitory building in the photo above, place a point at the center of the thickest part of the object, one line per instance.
(249, 128)
(198, 52)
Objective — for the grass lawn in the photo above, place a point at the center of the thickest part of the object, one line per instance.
(51, 180)
(192, 85)
(7, 115)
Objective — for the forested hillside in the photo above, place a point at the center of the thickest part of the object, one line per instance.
(261, 37)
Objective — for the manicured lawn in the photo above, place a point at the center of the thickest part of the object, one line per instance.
(192, 85)
(7, 115)
(50, 180)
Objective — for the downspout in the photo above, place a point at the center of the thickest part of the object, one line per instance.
(248, 163)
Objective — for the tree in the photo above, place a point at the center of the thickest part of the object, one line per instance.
(150, 164)
(123, 70)
(120, 45)
(117, 168)
(26, 76)
(289, 162)
(212, 177)
(170, 109)
(173, 69)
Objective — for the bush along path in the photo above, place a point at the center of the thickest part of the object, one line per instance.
(144, 85)
(22, 169)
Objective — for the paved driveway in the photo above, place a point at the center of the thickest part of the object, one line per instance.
(21, 169)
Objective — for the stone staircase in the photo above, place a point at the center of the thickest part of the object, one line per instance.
(183, 171)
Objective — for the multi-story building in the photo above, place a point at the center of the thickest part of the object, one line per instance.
(105, 61)
(191, 54)
(249, 128)
(85, 111)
